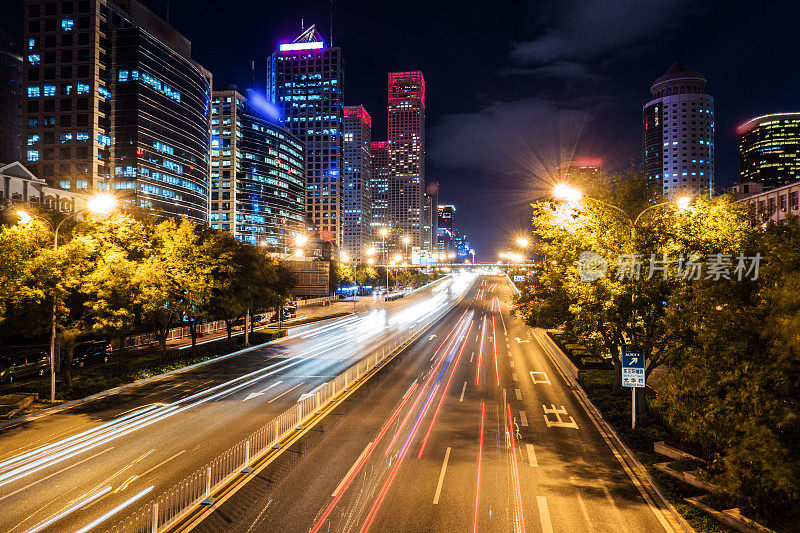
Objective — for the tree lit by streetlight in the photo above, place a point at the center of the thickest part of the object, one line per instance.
(564, 191)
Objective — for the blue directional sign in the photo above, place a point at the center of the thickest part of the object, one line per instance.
(632, 367)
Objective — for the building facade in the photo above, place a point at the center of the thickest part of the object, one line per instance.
(446, 233)
(678, 129)
(257, 173)
(431, 217)
(356, 179)
(114, 101)
(18, 186)
(305, 80)
(10, 99)
(379, 188)
(406, 134)
(773, 205)
(769, 150)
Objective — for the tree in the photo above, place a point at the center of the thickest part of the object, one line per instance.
(624, 305)
(364, 274)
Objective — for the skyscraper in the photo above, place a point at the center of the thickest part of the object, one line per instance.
(10, 99)
(406, 130)
(379, 187)
(431, 219)
(257, 172)
(356, 197)
(679, 133)
(769, 150)
(114, 100)
(305, 80)
(446, 231)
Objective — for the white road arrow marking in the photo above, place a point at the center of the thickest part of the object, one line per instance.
(520, 341)
(309, 394)
(261, 392)
(432, 337)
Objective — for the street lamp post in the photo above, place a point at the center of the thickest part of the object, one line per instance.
(407, 240)
(383, 232)
(99, 204)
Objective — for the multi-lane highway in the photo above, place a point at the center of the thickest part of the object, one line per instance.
(472, 429)
(84, 467)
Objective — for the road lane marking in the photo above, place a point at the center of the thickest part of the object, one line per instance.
(519, 394)
(532, 455)
(539, 377)
(617, 512)
(285, 393)
(162, 463)
(441, 476)
(90, 497)
(511, 364)
(544, 514)
(114, 511)
(462, 392)
(261, 392)
(523, 418)
(558, 422)
(514, 376)
(471, 356)
(54, 474)
(349, 472)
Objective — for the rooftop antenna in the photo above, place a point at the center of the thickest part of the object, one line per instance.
(166, 12)
(302, 26)
(330, 34)
(252, 74)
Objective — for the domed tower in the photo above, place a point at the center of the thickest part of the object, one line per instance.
(679, 133)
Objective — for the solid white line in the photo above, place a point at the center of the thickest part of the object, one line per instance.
(544, 515)
(285, 393)
(347, 475)
(162, 463)
(40, 526)
(114, 511)
(462, 392)
(519, 394)
(532, 455)
(523, 418)
(441, 477)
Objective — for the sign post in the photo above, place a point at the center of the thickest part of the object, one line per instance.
(632, 375)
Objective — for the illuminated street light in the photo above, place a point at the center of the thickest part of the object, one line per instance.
(300, 240)
(102, 204)
(298, 252)
(371, 261)
(371, 250)
(344, 257)
(397, 258)
(564, 191)
(523, 242)
(24, 218)
(683, 202)
(383, 232)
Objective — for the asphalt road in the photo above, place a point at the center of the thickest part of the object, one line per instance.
(157, 433)
(471, 429)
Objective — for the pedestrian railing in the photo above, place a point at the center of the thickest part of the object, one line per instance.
(197, 489)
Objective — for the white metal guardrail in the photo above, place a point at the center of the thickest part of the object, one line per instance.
(174, 504)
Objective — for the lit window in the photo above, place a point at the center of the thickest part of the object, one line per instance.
(83, 88)
(66, 137)
(33, 155)
(67, 24)
(49, 90)
(34, 59)
(33, 92)
(65, 184)
(122, 76)
(31, 43)
(33, 139)
(81, 136)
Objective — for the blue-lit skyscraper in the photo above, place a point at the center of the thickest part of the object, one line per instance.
(305, 80)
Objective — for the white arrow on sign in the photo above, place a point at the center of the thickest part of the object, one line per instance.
(261, 392)
(520, 341)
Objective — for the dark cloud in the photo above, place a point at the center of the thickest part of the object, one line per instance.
(584, 30)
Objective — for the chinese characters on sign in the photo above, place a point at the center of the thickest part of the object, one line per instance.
(632, 368)
(592, 267)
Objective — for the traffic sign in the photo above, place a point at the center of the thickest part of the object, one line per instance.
(632, 367)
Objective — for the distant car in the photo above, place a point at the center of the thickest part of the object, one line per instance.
(91, 352)
(18, 365)
(288, 313)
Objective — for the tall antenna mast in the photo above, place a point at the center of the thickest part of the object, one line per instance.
(302, 26)
(330, 34)
(252, 75)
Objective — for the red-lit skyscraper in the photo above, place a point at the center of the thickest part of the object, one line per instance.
(357, 133)
(406, 185)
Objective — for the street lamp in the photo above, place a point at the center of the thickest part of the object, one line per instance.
(344, 257)
(406, 240)
(522, 242)
(100, 204)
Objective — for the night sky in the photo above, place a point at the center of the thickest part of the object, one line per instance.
(512, 87)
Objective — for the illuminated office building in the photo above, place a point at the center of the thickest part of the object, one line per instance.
(406, 130)
(356, 197)
(10, 99)
(446, 231)
(679, 134)
(379, 188)
(305, 80)
(769, 150)
(114, 101)
(257, 172)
